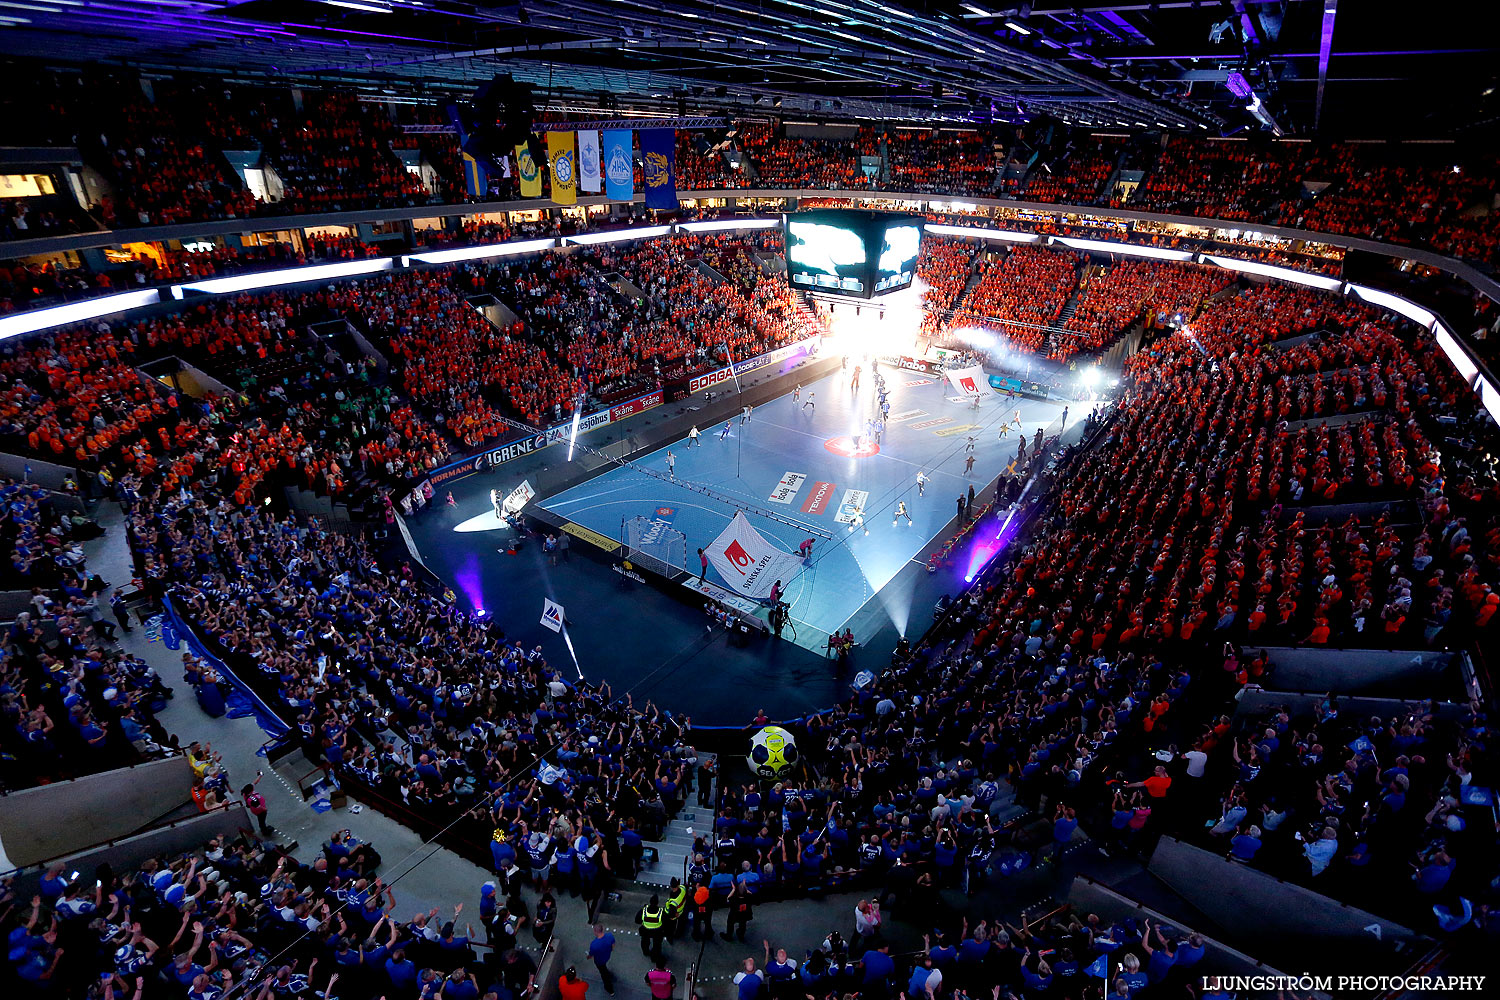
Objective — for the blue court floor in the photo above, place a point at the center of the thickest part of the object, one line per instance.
(801, 461)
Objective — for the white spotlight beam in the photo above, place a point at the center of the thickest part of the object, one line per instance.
(573, 435)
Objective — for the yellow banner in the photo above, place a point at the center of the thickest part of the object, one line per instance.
(564, 167)
(528, 172)
(589, 535)
(948, 432)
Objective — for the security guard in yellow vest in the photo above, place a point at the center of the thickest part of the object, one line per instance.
(652, 920)
(676, 908)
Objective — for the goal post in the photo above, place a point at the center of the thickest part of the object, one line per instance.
(654, 544)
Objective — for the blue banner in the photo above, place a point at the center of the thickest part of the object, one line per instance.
(659, 167)
(618, 155)
(269, 721)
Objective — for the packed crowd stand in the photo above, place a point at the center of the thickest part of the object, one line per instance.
(239, 916)
(32, 285)
(944, 267)
(1065, 698)
(1019, 295)
(941, 161)
(74, 704)
(1123, 627)
(299, 409)
(164, 157)
(1080, 179)
(1080, 655)
(1134, 290)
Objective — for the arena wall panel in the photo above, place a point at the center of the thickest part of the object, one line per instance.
(1254, 700)
(128, 853)
(1088, 896)
(1375, 673)
(1269, 916)
(54, 820)
(48, 474)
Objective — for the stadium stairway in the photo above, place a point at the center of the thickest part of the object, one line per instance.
(676, 843)
(1069, 307)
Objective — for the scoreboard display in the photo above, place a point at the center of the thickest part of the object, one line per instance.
(855, 254)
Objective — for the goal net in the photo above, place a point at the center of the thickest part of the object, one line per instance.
(655, 544)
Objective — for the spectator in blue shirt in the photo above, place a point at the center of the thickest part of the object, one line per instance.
(1159, 960)
(1134, 979)
(1434, 875)
(1245, 844)
(879, 967)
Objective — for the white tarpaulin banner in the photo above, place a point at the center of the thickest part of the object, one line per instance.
(518, 498)
(968, 381)
(552, 615)
(588, 160)
(749, 564)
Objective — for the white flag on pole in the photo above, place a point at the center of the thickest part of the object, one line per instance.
(969, 381)
(552, 615)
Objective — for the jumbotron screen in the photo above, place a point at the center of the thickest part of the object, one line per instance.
(855, 254)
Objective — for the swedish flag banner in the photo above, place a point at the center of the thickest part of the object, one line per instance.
(476, 178)
(529, 173)
(564, 163)
(658, 165)
(619, 164)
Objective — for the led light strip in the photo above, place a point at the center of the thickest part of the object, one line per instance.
(730, 226)
(638, 233)
(1293, 275)
(287, 276)
(1126, 249)
(1396, 304)
(75, 312)
(479, 253)
(1007, 235)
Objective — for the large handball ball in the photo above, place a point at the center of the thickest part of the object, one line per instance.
(773, 752)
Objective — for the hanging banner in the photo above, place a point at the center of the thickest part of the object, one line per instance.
(619, 165)
(658, 166)
(564, 164)
(749, 564)
(968, 381)
(476, 178)
(588, 160)
(530, 174)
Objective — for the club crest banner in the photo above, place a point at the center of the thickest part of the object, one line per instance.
(588, 160)
(749, 564)
(564, 163)
(968, 381)
(529, 174)
(619, 164)
(659, 166)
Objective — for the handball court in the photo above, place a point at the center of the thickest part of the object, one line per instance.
(799, 455)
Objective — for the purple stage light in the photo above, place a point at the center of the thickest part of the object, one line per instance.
(466, 582)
